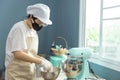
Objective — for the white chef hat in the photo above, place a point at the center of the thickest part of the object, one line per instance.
(40, 11)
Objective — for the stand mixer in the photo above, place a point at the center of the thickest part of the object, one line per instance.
(76, 66)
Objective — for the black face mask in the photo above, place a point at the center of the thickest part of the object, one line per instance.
(36, 27)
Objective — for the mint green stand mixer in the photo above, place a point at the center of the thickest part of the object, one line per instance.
(76, 66)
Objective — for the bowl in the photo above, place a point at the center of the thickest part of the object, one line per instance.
(51, 75)
(59, 52)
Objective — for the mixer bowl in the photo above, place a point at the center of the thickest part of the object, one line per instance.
(51, 75)
(71, 73)
(59, 52)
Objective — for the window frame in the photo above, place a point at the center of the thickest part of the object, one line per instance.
(97, 59)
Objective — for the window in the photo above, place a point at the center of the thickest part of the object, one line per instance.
(92, 25)
(100, 27)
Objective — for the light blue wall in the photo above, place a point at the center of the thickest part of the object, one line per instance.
(65, 24)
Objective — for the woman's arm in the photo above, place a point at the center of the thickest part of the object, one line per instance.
(26, 57)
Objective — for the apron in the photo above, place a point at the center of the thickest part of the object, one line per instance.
(22, 70)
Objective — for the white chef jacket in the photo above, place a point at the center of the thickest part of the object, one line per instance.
(16, 40)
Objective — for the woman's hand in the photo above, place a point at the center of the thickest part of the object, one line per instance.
(47, 65)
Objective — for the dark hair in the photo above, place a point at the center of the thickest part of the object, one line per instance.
(32, 16)
(28, 15)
